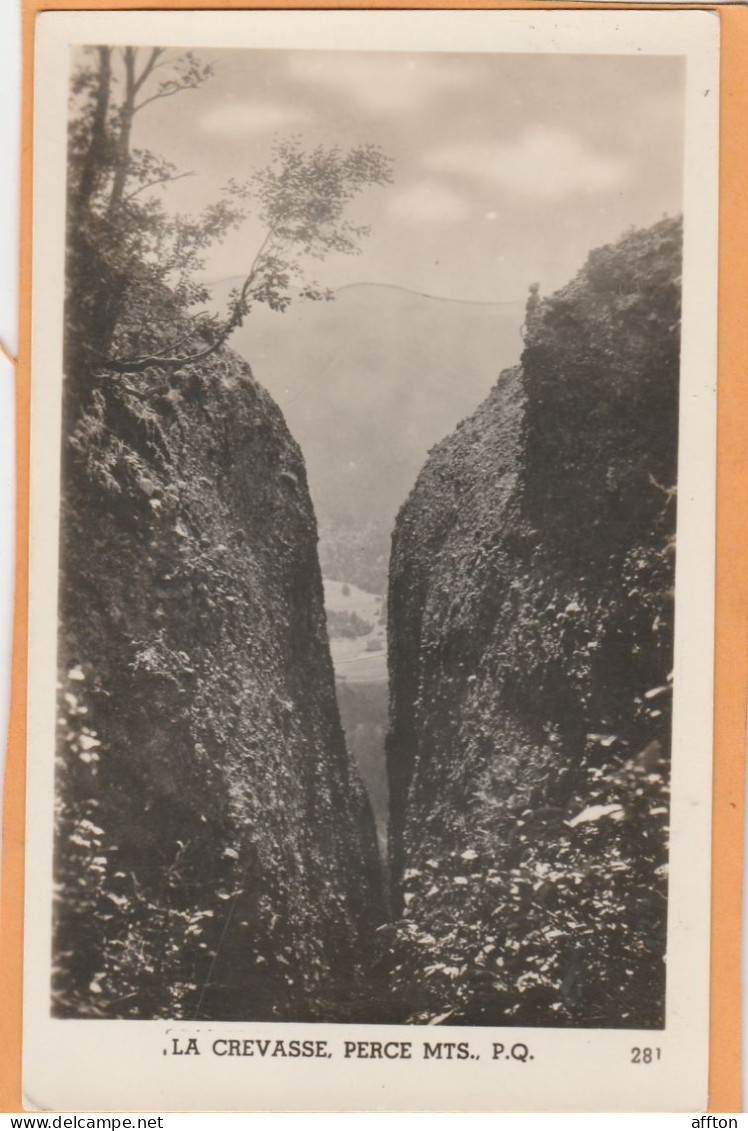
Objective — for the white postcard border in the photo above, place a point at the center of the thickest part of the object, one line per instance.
(121, 1065)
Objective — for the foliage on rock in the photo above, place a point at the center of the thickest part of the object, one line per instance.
(216, 853)
(531, 628)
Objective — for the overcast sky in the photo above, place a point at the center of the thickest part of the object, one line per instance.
(508, 169)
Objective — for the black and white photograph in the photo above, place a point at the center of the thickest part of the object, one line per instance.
(365, 556)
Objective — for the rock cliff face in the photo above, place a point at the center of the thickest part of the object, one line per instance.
(531, 628)
(216, 855)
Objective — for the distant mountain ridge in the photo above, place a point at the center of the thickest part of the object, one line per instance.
(238, 280)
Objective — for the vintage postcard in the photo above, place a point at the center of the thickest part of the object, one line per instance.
(372, 541)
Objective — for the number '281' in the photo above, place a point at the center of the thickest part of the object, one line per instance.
(645, 1056)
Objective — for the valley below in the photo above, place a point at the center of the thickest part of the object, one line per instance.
(360, 664)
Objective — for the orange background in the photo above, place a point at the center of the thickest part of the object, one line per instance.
(731, 666)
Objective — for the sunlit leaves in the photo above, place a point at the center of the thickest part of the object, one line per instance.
(148, 258)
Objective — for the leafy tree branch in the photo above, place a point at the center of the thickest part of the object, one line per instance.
(134, 266)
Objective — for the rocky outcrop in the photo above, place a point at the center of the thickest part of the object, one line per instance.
(531, 630)
(216, 855)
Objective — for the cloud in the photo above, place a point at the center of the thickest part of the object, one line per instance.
(239, 118)
(427, 202)
(385, 84)
(539, 165)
